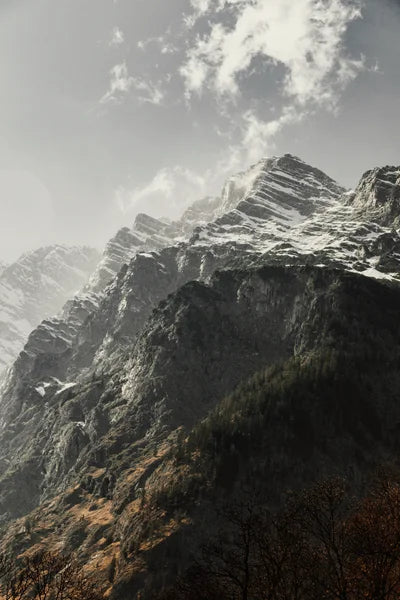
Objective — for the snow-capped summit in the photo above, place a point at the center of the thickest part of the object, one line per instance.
(291, 213)
(264, 204)
(284, 188)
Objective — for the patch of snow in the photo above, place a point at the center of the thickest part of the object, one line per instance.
(65, 386)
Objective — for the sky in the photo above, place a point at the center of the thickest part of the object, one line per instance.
(113, 107)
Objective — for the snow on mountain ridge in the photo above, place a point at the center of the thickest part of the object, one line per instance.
(147, 233)
(274, 195)
(292, 213)
(281, 211)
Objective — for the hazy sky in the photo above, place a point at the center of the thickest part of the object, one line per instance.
(113, 107)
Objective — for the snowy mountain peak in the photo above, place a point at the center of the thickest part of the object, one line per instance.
(281, 210)
(310, 179)
(259, 206)
(281, 180)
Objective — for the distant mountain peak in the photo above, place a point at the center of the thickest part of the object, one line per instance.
(36, 286)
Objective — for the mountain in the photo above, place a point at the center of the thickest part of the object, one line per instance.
(255, 338)
(36, 286)
(294, 214)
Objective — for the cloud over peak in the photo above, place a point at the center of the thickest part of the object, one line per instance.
(297, 49)
(169, 192)
(293, 53)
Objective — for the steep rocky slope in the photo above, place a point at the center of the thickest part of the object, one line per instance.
(269, 274)
(147, 233)
(100, 455)
(98, 331)
(37, 286)
(294, 214)
(378, 196)
(281, 211)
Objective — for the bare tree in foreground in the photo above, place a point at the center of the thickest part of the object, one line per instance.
(323, 546)
(45, 576)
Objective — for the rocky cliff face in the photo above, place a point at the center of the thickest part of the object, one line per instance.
(378, 195)
(147, 233)
(175, 317)
(37, 286)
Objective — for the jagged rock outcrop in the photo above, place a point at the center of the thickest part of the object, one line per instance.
(378, 195)
(275, 193)
(147, 233)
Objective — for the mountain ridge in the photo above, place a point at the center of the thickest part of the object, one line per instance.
(286, 265)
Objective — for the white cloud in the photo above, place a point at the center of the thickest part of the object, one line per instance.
(117, 37)
(258, 135)
(169, 192)
(150, 93)
(305, 36)
(300, 43)
(199, 8)
(164, 44)
(121, 83)
(195, 74)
